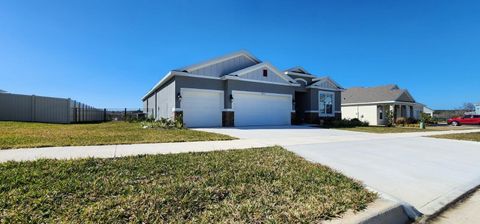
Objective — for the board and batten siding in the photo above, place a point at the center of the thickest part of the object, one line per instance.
(17, 107)
(258, 75)
(162, 102)
(225, 67)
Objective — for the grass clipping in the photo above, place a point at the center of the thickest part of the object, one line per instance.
(239, 186)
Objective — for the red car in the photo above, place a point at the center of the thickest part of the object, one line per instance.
(466, 119)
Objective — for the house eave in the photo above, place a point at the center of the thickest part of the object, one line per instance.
(379, 102)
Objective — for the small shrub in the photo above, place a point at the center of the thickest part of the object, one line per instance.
(163, 123)
(401, 121)
(389, 118)
(348, 123)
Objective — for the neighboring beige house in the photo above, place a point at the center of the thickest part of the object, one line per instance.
(369, 104)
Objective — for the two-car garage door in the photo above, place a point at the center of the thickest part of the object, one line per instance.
(255, 108)
(203, 108)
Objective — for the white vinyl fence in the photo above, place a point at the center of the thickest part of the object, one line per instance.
(16, 107)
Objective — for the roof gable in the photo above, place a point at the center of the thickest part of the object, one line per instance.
(255, 72)
(326, 83)
(222, 65)
(298, 69)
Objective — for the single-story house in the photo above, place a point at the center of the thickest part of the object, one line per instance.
(238, 89)
(370, 104)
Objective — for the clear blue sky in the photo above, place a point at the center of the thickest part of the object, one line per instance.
(110, 53)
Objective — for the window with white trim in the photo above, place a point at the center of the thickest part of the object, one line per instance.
(326, 102)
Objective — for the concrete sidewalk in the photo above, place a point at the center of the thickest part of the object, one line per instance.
(465, 212)
(111, 151)
(249, 138)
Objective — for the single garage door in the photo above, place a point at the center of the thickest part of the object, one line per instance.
(202, 108)
(254, 108)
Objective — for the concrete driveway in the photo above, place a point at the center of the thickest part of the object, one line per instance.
(423, 173)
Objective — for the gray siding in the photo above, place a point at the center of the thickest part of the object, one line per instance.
(255, 87)
(258, 75)
(197, 83)
(166, 101)
(225, 67)
(228, 86)
(161, 103)
(312, 99)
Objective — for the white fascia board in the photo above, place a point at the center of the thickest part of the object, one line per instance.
(299, 74)
(184, 74)
(220, 59)
(379, 102)
(327, 78)
(297, 68)
(176, 73)
(226, 77)
(409, 95)
(161, 82)
(262, 65)
(323, 88)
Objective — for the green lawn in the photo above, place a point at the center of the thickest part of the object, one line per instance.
(238, 186)
(26, 134)
(467, 136)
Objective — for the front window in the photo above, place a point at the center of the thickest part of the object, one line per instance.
(326, 102)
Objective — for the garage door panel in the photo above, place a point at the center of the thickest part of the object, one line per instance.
(253, 109)
(202, 108)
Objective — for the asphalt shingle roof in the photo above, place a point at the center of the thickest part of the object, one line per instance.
(375, 94)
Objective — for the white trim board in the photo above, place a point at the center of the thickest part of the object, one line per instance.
(299, 74)
(303, 80)
(333, 104)
(379, 102)
(259, 66)
(327, 79)
(322, 88)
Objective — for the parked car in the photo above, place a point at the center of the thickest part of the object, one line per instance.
(466, 119)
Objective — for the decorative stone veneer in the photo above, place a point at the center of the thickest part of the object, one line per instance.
(294, 119)
(178, 116)
(311, 117)
(228, 118)
(338, 116)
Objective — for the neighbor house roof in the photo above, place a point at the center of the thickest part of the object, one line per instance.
(387, 93)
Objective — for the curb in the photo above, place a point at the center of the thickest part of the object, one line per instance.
(451, 204)
(379, 212)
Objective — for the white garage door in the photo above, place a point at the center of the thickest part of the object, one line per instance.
(202, 108)
(254, 108)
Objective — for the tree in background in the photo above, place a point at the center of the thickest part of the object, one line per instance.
(468, 107)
